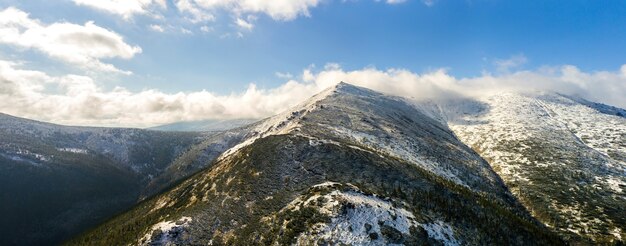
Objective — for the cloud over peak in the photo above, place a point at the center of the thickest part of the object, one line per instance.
(74, 99)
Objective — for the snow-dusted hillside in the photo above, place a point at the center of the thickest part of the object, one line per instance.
(361, 118)
(56, 181)
(565, 160)
(367, 220)
(22, 137)
(349, 165)
(354, 166)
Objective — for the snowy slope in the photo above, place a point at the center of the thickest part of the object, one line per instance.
(23, 137)
(565, 160)
(362, 118)
(360, 222)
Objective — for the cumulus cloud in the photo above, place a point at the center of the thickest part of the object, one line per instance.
(202, 11)
(74, 99)
(280, 10)
(196, 14)
(81, 45)
(125, 8)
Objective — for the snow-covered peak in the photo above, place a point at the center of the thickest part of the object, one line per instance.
(347, 88)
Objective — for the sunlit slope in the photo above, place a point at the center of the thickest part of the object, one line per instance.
(565, 160)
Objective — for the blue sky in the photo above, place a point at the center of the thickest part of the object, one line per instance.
(170, 50)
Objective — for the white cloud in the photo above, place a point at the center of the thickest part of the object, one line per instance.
(428, 3)
(81, 45)
(505, 65)
(244, 24)
(206, 29)
(201, 11)
(283, 75)
(157, 28)
(393, 2)
(125, 8)
(396, 1)
(79, 100)
(197, 15)
(277, 9)
(185, 31)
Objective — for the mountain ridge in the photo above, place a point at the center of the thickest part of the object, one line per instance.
(279, 175)
(307, 172)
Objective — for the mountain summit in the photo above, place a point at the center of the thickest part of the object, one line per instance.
(348, 166)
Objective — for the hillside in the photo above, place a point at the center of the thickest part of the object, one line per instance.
(56, 181)
(204, 125)
(349, 166)
(563, 157)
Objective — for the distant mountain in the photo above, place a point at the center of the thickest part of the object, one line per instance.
(205, 125)
(56, 181)
(348, 166)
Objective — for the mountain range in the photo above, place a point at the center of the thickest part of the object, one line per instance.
(347, 166)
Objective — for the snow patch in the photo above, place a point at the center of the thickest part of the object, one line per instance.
(165, 233)
(616, 184)
(441, 231)
(73, 150)
(360, 219)
(617, 232)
